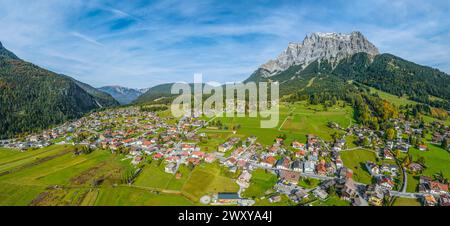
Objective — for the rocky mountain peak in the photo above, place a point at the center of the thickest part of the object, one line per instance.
(320, 46)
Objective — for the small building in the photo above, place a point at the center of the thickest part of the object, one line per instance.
(228, 198)
(289, 176)
(429, 200)
(283, 163)
(320, 193)
(171, 168)
(275, 198)
(308, 167)
(297, 166)
(422, 147)
(269, 161)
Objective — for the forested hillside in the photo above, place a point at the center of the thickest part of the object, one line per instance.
(32, 98)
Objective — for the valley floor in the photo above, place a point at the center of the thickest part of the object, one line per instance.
(62, 174)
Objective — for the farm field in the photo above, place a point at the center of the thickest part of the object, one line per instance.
(129, 196)
(207, 179)
(153, 176)
(18, 195)
(55, 176)
(313, 119)
(295, 120)
(10, 159)
(57, 171)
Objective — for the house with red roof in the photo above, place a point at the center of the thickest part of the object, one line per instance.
(422, 147)
(157, 156)
(209, 158)
(198, 154)
(298, 145)
(269, 161)
(438, 188)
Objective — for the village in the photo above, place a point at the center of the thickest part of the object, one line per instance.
(141, 135)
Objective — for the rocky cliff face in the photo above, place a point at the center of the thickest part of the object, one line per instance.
(319, 46)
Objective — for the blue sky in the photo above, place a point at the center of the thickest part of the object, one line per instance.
(143, 43)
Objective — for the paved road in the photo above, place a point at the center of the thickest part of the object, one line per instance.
(405, 180)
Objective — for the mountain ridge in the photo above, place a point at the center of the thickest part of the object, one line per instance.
(385, 71)
(122, 94)
(33, 98)
(332, 47)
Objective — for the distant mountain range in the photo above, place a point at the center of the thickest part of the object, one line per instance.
(325, 64)
(123, 94)
(160, 92)
(153, 93)
(323, 67)
(32, 98)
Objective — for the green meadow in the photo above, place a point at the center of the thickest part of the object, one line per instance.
(129, 196)
(331, 201)
(207, 179)
(396, 100)
(406, 202)
(436, 160)
(355, 161)
(295, 121)
(55, 176)
(260, 182)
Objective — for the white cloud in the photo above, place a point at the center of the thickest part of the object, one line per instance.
(169, 40)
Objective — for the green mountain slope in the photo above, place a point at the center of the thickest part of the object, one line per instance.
(154, 93)
(103, 98)
(398, 76)
(32, 98)
(385, 72)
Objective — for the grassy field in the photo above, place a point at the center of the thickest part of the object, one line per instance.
(260, 182)
(295, 120)
(207, 179)
(11, 159)
(436, 159)
(128, 196)
(308, 183)
(215, 138)
(331, 201)
(18, 195)
(429, 119)
(396, 100)
(406, 202)
(30, 177)
(413, 183)
(285, 201)
(59, 169)
(153, 176)
(313, 119)
(355, 161)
